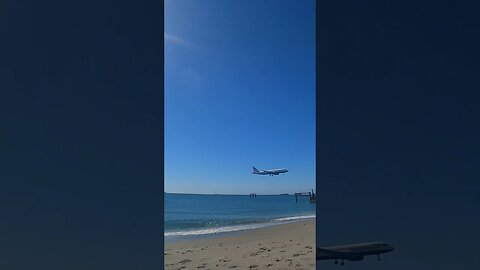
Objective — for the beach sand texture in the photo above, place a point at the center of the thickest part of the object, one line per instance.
(286, 246)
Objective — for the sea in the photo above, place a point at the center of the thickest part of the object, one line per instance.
(194, 215)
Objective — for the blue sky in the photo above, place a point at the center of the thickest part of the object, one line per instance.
(239, 92)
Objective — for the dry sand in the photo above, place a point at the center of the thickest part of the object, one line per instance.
(287, 246)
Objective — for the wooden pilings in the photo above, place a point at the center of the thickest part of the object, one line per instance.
(311, 196)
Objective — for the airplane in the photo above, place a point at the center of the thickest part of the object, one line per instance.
(269, 172)
(353, 252)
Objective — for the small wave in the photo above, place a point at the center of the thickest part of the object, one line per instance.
(294, 218)
(235, 228)
(217, 230)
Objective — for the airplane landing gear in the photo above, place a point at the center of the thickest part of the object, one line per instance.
(342, 263)
(336, 262)
(378, 257)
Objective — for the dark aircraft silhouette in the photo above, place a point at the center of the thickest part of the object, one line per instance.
(352, 252)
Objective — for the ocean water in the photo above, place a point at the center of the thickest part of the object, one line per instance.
(188, 215)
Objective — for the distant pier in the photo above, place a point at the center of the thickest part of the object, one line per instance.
(311, 196)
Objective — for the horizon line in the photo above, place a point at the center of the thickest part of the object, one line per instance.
(223, 193)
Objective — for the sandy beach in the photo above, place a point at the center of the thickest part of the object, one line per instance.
(286, 246)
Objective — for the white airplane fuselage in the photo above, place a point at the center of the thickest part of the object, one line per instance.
(269, 172)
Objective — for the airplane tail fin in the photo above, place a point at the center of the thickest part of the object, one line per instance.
(255, 169)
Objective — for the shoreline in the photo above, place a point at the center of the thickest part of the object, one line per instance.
(281, 246)
(233, 229)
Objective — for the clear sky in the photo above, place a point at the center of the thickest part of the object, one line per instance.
(239, 92)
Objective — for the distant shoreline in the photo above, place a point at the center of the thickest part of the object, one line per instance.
(218, 194)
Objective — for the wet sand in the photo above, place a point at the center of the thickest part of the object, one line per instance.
(287, 246)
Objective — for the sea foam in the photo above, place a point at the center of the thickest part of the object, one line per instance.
(235, 228)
